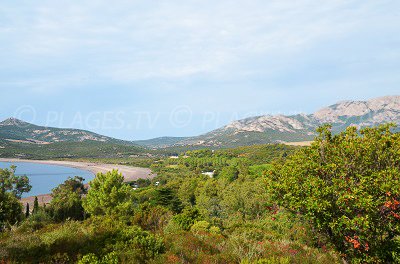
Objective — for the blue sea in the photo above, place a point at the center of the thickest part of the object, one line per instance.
(43, 177)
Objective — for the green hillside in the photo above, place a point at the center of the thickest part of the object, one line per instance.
(62, 150)
(16, 130)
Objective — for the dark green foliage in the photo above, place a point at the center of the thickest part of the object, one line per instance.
(72, 240)
(259, 154)
(160, 142)
(152, 218)
(36, 221)
(70, 150)
(230, 173)
(35, 206)
(66, 200)
(140, 183)
(111, 258)
(108, 195)
(136, 244)
(11, 189)
(10, 183)
(187, 218)
(27, 211)
(10, 210)
(348, 185)
(167, 197)
(207, 160)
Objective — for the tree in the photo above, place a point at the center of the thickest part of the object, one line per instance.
(108, 195)
(348, 185)
(10, 210)
(27, 212)
(245, 198)
(229, 173)
(186, 191)
(67, 200)
(208, 199)
(9, 182)
(11, 189)
(35, 206)
(168, 198)
(187, 218)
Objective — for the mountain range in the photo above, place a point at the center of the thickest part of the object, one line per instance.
(250, 131)
(295, 128)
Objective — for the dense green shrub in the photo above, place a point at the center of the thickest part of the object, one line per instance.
(200, 226)
(91, 258)
(66, 200)
(167, 197)
(348, 185)
(187, 218)
(97, 237)
(137, 246)
(11, 189)
(152, 218)
(229, 173)
(10, 210)
(36, 221)
(108, 195)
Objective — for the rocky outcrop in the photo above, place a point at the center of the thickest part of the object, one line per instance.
(281, 128)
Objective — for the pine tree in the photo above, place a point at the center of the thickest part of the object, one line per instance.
(27, 210)
(35, 206)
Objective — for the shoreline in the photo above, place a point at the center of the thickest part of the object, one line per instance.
(129, 173)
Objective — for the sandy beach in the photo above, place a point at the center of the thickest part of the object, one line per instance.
(129, 173)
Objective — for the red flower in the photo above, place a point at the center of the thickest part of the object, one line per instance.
(354, 241)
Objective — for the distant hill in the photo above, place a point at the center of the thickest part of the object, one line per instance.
(15, 130)
(19, 139)
(70, 150)
(294, 128)
(160, 142)
(250, 131)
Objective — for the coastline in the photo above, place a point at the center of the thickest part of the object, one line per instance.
(129, 173)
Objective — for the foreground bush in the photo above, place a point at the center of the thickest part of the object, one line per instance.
(66, 200)
(348, 185)
(101, 239)
(11, 189)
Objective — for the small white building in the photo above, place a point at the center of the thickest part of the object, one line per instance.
(209, 173)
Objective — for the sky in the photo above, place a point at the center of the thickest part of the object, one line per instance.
(143, 69)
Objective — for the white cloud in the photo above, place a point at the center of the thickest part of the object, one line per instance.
(172, 39)
(239, 54)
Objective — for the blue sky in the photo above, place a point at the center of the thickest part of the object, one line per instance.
(142, 69)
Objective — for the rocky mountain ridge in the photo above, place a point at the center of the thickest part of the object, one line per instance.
(249, 131)
(301, 127)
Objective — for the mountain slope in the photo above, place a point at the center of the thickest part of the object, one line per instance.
(249, 131)
(160, 142)
(19, 139)
(280, 128)
(361, 113)
(15, 130)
